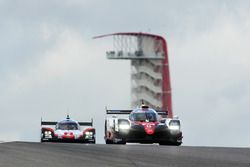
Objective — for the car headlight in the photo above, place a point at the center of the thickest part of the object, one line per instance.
(89, 133)
(174, 127)
(124, 126)
(47, 132)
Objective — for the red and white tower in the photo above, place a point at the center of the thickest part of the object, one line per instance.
(150, 76)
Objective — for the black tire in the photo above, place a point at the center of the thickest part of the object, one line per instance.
(107, 141)
(163, 143)
(122, 142)
(42, 135)
(44, 141)
(177, 144)
(92, 142)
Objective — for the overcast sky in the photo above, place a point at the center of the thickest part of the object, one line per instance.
(49, 64)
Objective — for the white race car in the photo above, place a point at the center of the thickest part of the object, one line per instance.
(67, 130)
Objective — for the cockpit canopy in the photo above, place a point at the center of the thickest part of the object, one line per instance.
(67, 125)
(148, 115)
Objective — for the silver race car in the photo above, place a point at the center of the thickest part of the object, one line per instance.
(67, 130)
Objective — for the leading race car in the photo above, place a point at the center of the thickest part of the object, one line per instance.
(144, 125)
(67, 130)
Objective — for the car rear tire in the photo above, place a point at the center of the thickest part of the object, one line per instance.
(107, 141)
(163, 143)
(122, 142)
(177, 144)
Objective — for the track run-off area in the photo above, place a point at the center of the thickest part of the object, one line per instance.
(28, 154)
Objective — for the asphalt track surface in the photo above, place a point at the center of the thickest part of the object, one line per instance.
(21, 154)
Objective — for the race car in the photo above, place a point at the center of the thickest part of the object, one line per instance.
(67, 130)
(143, 125)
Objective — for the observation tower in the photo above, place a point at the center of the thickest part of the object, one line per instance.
(150, 76)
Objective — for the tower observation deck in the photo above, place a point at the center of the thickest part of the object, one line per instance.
(150, 76)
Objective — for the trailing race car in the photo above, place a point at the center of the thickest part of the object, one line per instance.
(144, 125)
(67, 130)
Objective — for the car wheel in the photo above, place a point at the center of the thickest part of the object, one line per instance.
(163, 143)
(107, 141)
(115, 141)
(177, 144)
(92, 142)
(121, 142)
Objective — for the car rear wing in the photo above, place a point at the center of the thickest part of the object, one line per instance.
(118, 111)
(160, 112)
(86, 123)
(54, 123)
(48, 122)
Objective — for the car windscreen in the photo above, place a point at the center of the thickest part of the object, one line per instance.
(144, 116)
(67, 126)
(174, 123)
